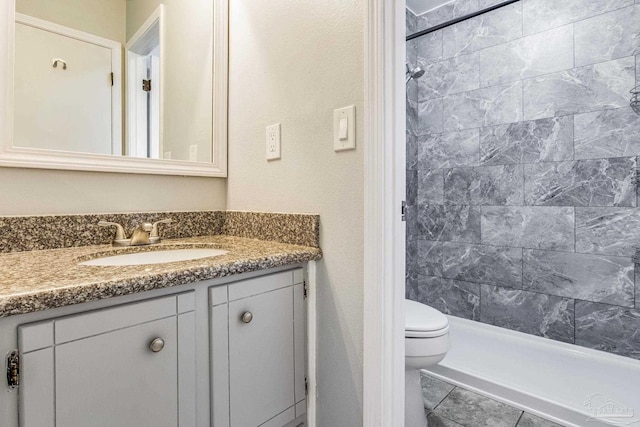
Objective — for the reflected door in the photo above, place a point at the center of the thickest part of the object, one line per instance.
(67, 107)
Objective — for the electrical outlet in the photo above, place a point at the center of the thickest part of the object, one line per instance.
(273, 142)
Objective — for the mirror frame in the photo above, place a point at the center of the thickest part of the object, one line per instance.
(20, 157)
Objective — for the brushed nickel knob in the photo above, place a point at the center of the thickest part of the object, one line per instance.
(247, 317)
(156, 345)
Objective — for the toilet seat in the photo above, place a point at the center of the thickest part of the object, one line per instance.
(422, 321)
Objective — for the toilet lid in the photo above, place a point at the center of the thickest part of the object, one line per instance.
(422, 321)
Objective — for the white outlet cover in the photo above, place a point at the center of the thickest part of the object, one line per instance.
(273, 142)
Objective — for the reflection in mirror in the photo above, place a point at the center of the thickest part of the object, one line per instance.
(115, 77)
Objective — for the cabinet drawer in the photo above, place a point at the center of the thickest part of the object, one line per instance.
(259, 285)
(110, 319)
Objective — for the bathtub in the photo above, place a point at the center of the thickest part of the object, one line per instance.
(568, 384)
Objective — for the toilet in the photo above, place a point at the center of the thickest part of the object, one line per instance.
(426, 332)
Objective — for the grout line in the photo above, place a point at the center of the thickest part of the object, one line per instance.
(445, 397)
(519, 418)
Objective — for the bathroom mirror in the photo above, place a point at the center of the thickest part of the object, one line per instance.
(136, 86)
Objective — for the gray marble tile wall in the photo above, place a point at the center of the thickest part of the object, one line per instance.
(521, 168)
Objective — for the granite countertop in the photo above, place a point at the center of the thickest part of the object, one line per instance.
(39, 280)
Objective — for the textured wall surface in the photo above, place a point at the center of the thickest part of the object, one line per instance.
(521, 158)
(293, 63)
(51, 192)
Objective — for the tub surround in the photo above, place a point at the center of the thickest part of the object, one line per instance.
(521, 169)
(43, 279)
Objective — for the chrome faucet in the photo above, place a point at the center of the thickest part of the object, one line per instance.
(145, 233)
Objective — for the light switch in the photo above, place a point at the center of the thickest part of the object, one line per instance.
(344, 129)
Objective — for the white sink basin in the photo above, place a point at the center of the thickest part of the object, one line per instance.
(155, 257)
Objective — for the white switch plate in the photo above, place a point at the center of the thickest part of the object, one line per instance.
(273, 142)
(350, 142)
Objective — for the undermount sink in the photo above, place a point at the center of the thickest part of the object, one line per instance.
(155, 257)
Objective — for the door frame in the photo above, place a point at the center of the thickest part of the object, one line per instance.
(384, 230)
(116, 68)
(136, 98)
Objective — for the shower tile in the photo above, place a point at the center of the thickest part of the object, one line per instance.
(433, 391)
(487, 185)
(436, 420)
(531, 313)
(410, 21)
(607, 231)
(430, 117)
(412, 152)
(449, 223)
(412, 53)
(608, 328)
(429, 48)
(454, 297)
(435, 17)
(527, 57)
(412, 114)
(411, 216)
(412, 187)
(609, 36)
(451, 149)
(605, 182)
(637, 281)
(450, 76)
(483, 107)
(471, 409)
(499, 26)
(543, 140)
(528, 420)
(529, 227)
(595, 278)
(498, 266)
(430, 187)
(429, 258)
(464, 7)
(483, 4)
(607, 133)
(541, 15)
(594, 87)
(410, 290)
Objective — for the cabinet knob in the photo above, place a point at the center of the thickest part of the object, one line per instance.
(156, 345)
(247, 317)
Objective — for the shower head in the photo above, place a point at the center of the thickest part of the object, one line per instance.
(413, 73)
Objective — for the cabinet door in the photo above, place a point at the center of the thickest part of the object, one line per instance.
(261, 357)
(98, 368)
(114, 379)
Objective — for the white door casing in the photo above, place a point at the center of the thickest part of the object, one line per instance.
(384, 236)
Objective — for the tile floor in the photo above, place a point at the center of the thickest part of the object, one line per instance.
(451, 406)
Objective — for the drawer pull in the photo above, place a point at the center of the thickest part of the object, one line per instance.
(247, 317)
(156, 345)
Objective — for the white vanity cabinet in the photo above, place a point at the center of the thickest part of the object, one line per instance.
(258, 352)
(130, 365)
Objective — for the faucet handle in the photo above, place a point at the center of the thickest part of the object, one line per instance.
(154, 229)
(120, 235)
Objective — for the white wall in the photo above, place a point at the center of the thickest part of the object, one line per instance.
(99, 17)
(294, 62)
(44, 192)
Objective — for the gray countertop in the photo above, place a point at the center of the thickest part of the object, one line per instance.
(39, 280)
